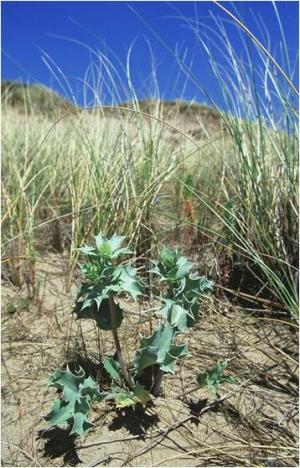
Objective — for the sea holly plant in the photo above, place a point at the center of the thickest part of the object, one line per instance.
(109, 274)
(180, 310)
(105, 279)
(214, 378)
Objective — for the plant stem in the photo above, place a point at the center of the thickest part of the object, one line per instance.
(157, 383)
(120, 357)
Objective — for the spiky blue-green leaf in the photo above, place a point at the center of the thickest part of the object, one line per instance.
(111, 248)
(78, 392)
(174, 353)
(112, 367)
(61, 412)
(80, 420)
(171, 266)
(175, 314)
(101, 313)
(160, 349)
(183, 266)
(87, 250)
(125, 279)
(67, 382)
(124, 398)
(214, 377)
(193, 286)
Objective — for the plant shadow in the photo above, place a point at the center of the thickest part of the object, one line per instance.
(58, 443)
(228, 410)
(195, 408)
(134, 419)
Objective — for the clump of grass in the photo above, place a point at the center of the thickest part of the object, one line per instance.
(256, 200)
(90, 170)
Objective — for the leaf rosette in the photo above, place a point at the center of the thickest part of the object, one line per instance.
(105, 278)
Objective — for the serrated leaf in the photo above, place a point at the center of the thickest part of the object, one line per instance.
(141, 394)
(60, 412)
(111, 248)
(100, 314)
(175, 352)
(228, 379)
(145, 357)
(121, 252)
(169, 257)
(80, 418)
(115, 242)
(120, 279)
(183, 267)
(73, 412)
(78, 392)
(91, 293)
(190, 290)
(193, 286)
(67, 382)
(89, 388)
(100, 240)
(113, 369)
(87, 250)
(92, 271)
(81, 425)
(214, 377)
(180, 312)
(126, 279)
(175, 314)
(124, 398)
(159, 349)
(162, 337)
(171, 267)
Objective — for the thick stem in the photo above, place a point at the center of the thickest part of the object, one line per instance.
(157, 383)
(120, 357)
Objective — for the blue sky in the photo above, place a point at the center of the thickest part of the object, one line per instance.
(30, 30)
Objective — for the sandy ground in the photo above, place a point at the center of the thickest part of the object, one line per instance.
(253, 422)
